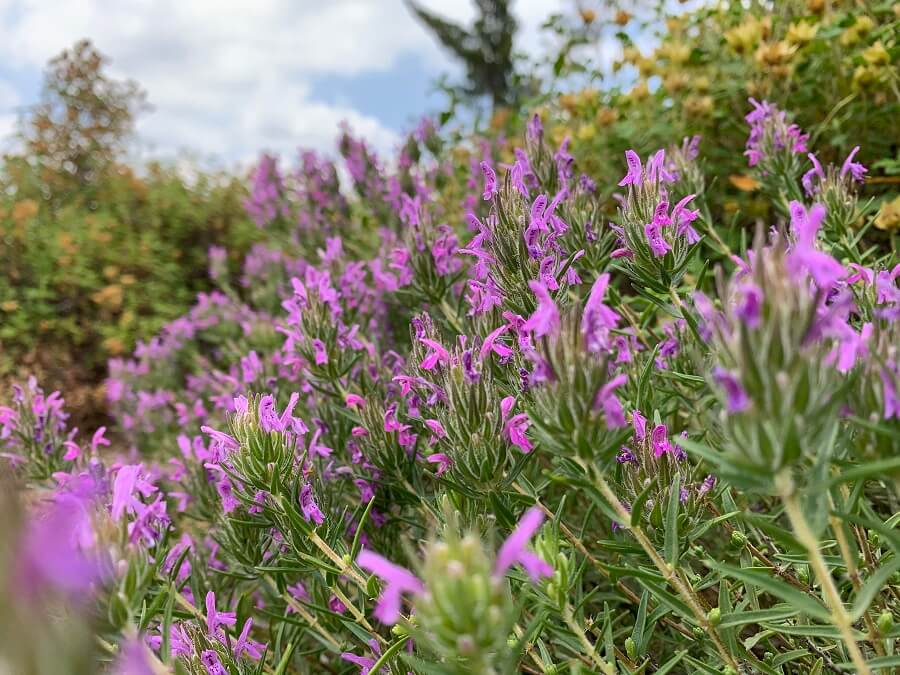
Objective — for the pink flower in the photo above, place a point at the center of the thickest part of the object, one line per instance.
(545, 320)
(598, 319)
(309, 507)
(354, 401)
(657, 242)
(608, 402)
(436, 354)
(397, 580)
(659, 440)
(490, 181)
(215, 619)
(99, 439)
(490, 344)
(737, 399)
(635, 169)
(804, 256)
(513, 550)
(514, 427)
(442, 460)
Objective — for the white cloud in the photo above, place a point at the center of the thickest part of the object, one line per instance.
(227, 78)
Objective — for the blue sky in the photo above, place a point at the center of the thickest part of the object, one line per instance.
(229, 78)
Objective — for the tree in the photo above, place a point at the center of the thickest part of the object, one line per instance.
(485, 49)
(81, 124)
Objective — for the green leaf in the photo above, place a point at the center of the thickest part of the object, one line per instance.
(757, 616)
(640, 623)
(637, 509)
(671, 663)
(762, 578)
(879, 663)
(874, 585)
(671, 539)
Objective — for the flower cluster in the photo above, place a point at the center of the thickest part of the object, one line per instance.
(424, 431)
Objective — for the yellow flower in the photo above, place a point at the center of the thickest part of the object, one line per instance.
(889, 215)
(588, 16)
(864, 24)
(586, 132)
(640, 92)
(646, 67)
(24, 210)
(675, 81)
(743, 38)
(622, 17)
(114, 346)
(568, 102)
(775, 53)
(588, 96)
(605, 117)
(701, 83)
(631, 54)
(801, 33)
(680, 54)
(876, 55)
(863, 76)
(744, 183)
(109, 297)
(698, 105)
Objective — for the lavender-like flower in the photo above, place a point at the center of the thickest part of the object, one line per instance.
(513, 550)
(397, 580)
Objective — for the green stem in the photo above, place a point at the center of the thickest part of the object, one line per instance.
(388, 653)
(589, 648)
(810, 542)
(666, 570)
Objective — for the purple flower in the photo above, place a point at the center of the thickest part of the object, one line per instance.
(804, 256)
(610, 404)
(437, 354)
(309, 507)
(513, 550)
(133, 659)
(737, 399)
(397, 580)
(53, 552)
(857, 171)
(245, 645)
(545, 320)
(490, 344)
(442, 460)
(749, 303)
(708, 484)
(598, 319)
(365, 663)
(220, 439)
(658, 245)
(891, 402)
(514, 427)
(635, 170)
(639, 422)
(215, 619)
(659, 440)
(815, 172)
(210, 660)
(490, 182)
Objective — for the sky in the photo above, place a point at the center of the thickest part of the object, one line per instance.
(227, 79)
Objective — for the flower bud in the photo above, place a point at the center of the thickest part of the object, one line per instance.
(714, 616)
(885, 622)
(630, 648)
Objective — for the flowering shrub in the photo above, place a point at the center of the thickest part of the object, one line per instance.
(524, 440)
